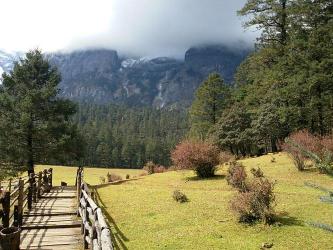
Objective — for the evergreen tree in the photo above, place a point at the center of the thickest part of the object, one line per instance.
(35, 123)
(211, 99)
(269, 16)
(233, 131)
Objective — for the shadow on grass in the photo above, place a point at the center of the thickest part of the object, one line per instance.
(196, 178)
(118, 237)
(284, 219)
(310, 170)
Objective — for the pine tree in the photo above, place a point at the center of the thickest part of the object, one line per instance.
(269, 16)
(211, 99)
(35, 124)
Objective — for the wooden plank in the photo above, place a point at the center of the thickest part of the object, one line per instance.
(43, 244)
(44, 219)
(52, 225)
(52, 232)
(50, 214)
(52, 222)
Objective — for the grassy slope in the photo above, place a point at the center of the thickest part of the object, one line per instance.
(143, 214)
(91, 175)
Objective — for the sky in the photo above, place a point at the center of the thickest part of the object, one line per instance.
(133, 27)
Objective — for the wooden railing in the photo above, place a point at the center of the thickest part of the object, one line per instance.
(25, 192)
(96, 233)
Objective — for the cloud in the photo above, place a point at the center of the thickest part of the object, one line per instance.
(136, 27)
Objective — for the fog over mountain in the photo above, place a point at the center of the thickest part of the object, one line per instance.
(148, 28)
(147, 52)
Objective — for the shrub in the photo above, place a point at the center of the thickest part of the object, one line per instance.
(149, 167)
(302, 138)
(236, 176)
(127, 176)
(113, 177)
(256, 204)
(257, 173)
(152, 168)
(102, 179)
(159, 169)
(303, 146)
(202, 157)
(179, 196)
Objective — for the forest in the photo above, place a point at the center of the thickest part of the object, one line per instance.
(121, 136)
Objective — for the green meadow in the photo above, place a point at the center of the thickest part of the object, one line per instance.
(143, 215)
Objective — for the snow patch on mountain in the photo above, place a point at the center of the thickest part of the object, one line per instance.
(130, 62)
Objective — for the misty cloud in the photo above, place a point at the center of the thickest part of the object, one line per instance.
(135, 27)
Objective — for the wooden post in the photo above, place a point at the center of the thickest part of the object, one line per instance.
(6, 209)
(85, 231)
(39, 184)
(20, 202)
(78, 185)
(16, 216)
(10, 185)
(51, 177)
(94, 232)
(30, 191)
(45, 179)
(34, 189)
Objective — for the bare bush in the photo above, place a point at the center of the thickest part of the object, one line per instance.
(236, 176)
(113, 177)
(149, 167)
(256, 203)
(153, 168)
(179, 196)
(102, 179)
(257, 173)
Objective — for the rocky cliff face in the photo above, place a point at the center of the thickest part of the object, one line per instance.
(101, 76)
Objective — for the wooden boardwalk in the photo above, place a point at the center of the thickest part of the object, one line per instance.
(52, 223)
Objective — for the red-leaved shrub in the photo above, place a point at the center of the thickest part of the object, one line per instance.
(202, 157)
(303, 146)
(159, 169)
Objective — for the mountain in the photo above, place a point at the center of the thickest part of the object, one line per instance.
(7, 60)
(102, 76)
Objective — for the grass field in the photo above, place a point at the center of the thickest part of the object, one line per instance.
(143, 214)
(91, 175)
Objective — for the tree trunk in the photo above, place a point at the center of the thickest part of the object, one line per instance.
(30, 160)
(283, 22)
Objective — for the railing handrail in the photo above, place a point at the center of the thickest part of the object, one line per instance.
(95, 230)
(25, 193)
